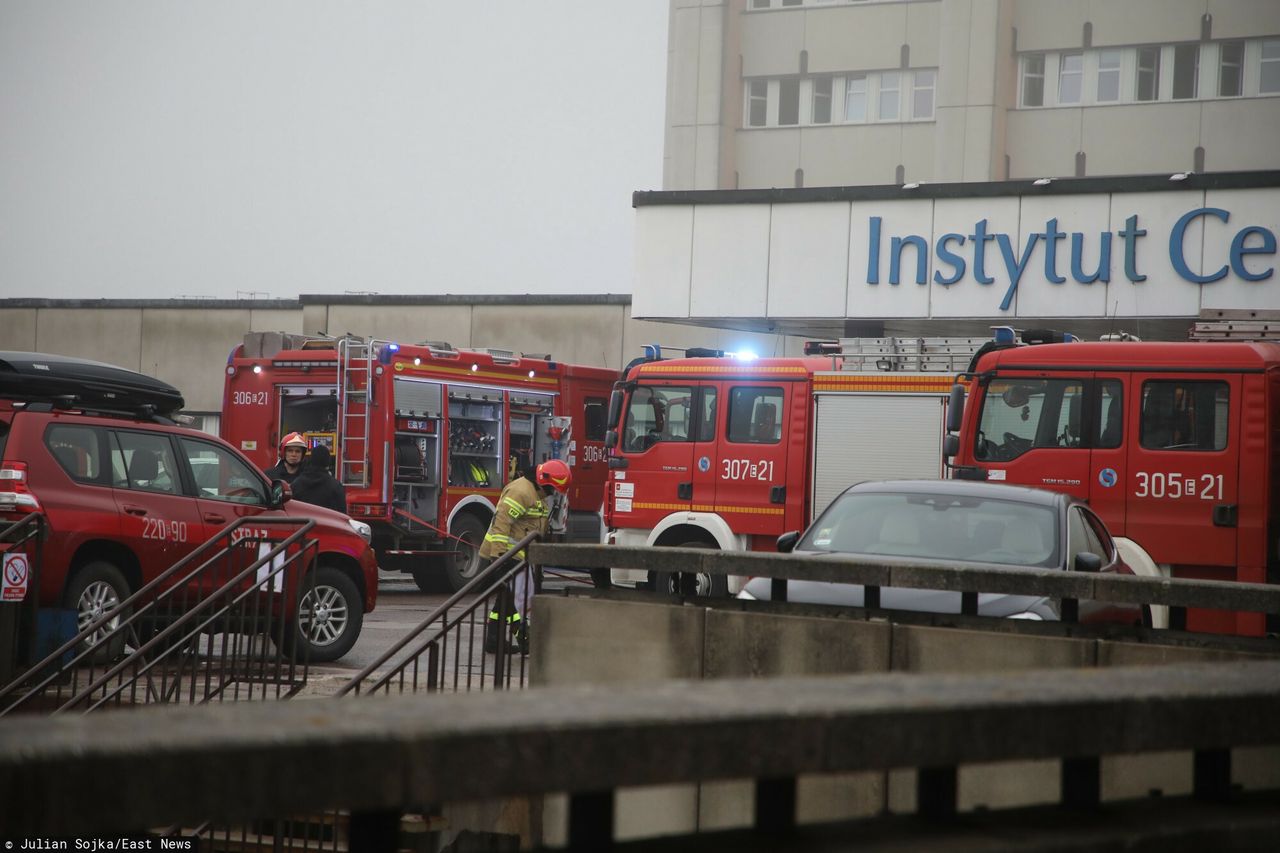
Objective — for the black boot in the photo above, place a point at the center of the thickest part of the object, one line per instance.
(522, 638)
(492, 631)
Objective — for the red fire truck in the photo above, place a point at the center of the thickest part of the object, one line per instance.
(1175, 445)
(711, 450)
(424, 436)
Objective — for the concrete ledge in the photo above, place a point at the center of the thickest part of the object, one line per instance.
(125, 770)
(920, 574)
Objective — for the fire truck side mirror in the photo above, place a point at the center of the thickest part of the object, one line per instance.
(955, 409)
(611, 438)
(950, 445)
(280, 494)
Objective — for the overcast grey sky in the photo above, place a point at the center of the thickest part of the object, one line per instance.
(151, 148)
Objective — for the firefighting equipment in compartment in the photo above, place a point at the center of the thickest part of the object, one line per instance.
(468, 438)
(554, 474)
(293, 439)
(470, 473)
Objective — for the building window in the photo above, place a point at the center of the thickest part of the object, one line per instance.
(1186, 71)
(890, 96)
(759, 4)
(1148, 81)
(789, 102)
(1230, 69)
(792, 2)
(1109, 75)
(923, 85)
(757, 103)
(855, 98)
(822, 100)
(1070, 78)
(1269, 82)
(1033, 80)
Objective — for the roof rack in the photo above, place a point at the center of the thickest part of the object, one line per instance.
(81, 383)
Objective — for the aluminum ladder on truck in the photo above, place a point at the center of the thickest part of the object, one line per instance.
(355, 381)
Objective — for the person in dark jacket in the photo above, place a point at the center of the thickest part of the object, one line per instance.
(315, 485)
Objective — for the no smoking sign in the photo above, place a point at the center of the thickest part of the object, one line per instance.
(16, 575)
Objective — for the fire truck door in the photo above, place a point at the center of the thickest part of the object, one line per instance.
(750, 465)
(655, 442)
(1184, 459)
(1108, 463)
(1031, 432)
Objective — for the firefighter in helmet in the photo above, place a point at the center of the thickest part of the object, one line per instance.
(293, 447)
(521, 510)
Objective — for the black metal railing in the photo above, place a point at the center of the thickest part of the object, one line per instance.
(218, 625)
(1068, 589)
(476, 640)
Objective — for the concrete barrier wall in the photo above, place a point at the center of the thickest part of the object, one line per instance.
(593, 640)
(186, 342)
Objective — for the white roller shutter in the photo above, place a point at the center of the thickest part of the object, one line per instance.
(874, 437)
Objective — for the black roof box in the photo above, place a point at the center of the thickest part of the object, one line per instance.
(88, 384)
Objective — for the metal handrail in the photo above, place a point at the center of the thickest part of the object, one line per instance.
(147, 602)
(440, 614)
(191, 615)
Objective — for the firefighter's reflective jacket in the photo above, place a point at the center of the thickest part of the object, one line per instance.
(520, 511)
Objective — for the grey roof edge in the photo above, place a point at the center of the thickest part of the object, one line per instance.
(986, 189)
(323, 299)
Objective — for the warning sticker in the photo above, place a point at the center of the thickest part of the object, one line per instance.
(622, 505)
(17, 573)
(624, 490)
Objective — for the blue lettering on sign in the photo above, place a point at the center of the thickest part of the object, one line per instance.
(957, 254)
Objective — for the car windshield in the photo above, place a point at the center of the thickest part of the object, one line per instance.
(938, 527)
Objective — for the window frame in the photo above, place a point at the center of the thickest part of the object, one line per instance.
(815, 95)
(1154, 70)
(103, 453)
(1238, 65)
(731, 434)
(1264, 61)
(752, 98)
(1177, 51)
(1185, 447)
(916, 89)
(1063, 75)
(251, 470)
(882, 90)
(865, 80)
(1025, 74)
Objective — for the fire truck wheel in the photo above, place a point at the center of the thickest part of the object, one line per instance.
(329, 617)
(95, 589)
(464, 566)
(698, 584)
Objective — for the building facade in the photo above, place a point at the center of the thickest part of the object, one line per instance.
(807, 93)
(936, 167)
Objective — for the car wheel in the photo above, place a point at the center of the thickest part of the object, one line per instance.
(698, 584)
(467, 563)
(94, 590)
(329, 618)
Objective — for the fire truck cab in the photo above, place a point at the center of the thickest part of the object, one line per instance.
(1175, 445)
(716, 450)
(424, 436)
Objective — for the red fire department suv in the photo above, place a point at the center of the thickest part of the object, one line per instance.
(127, 493)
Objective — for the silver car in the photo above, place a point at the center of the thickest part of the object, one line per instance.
(965, 523)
